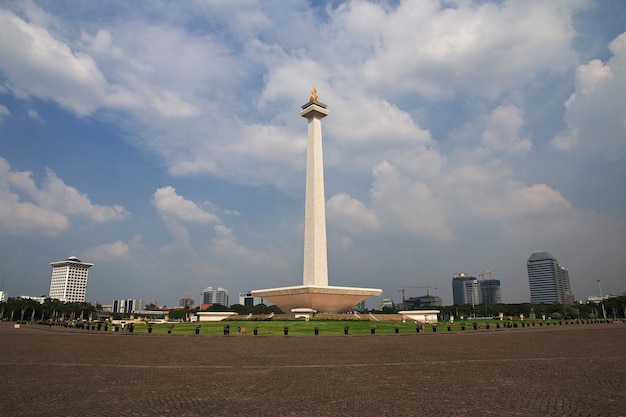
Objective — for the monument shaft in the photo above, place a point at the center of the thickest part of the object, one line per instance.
(315, 256)
(315, 295)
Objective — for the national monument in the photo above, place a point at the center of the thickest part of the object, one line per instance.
(315, 294)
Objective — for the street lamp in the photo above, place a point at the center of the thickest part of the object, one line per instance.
(602, 300)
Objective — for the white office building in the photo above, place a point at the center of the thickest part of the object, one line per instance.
(69, 280)
(218, 296)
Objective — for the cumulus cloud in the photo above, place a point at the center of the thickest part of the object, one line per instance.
(405, 204)
(34, 115)
(484, 48)
(229, 250)
(56, 195)
(26, 218)
(502, 132)
(177, 212)
(50, 205)
(170, 205)
(345, 212)
(41, 65)
(594, 112)
(108, 252)
(37, 64)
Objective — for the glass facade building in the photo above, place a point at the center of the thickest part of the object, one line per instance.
(490, 291)
(548, 281)
(465, 289)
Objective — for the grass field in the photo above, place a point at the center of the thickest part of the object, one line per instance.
(325, 327)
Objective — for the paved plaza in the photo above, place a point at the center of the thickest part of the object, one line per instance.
(549, 371)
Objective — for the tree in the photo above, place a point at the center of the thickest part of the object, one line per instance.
(177, 314)
(217, 307)
(240, 309)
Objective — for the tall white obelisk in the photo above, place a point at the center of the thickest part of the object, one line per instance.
(315, 295)
(315, 256)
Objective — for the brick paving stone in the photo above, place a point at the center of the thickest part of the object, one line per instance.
(555, 371)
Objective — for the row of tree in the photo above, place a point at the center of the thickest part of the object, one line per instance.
(183, 313)
(613, 307)
(26, 309)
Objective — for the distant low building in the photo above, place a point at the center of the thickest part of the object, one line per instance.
(421, 302)
(127, 306)
(39, 298)
(386, 303)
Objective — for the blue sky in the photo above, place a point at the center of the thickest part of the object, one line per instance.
(161, 141)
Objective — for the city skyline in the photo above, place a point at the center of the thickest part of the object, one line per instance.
(160, 143)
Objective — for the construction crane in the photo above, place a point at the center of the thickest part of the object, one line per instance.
(488, 272)
(428, 288)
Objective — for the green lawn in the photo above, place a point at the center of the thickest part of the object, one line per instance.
(326, 327)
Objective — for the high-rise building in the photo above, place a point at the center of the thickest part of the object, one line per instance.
(187, 302)
(548, 281)
(69, 280)
(248, 300)
(211, 296)
(490, 291)
(127, 306)
(465, 289)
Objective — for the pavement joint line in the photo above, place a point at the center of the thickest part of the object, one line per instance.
(339, 365)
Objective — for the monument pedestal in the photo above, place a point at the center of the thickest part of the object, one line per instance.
(324, 299)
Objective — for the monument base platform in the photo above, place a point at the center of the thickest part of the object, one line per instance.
(324, 299)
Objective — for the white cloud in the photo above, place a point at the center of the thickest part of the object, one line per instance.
(172, 206)
(484, 48)
(33, 114)
(368, 123)
(226, 247)
(56, 195)
(406, 205)
(595, 111)
(51, 205)
(108, 252)
(4, 110)
(18, 217)
(345, 212)
(502, 131)
(37, 64)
